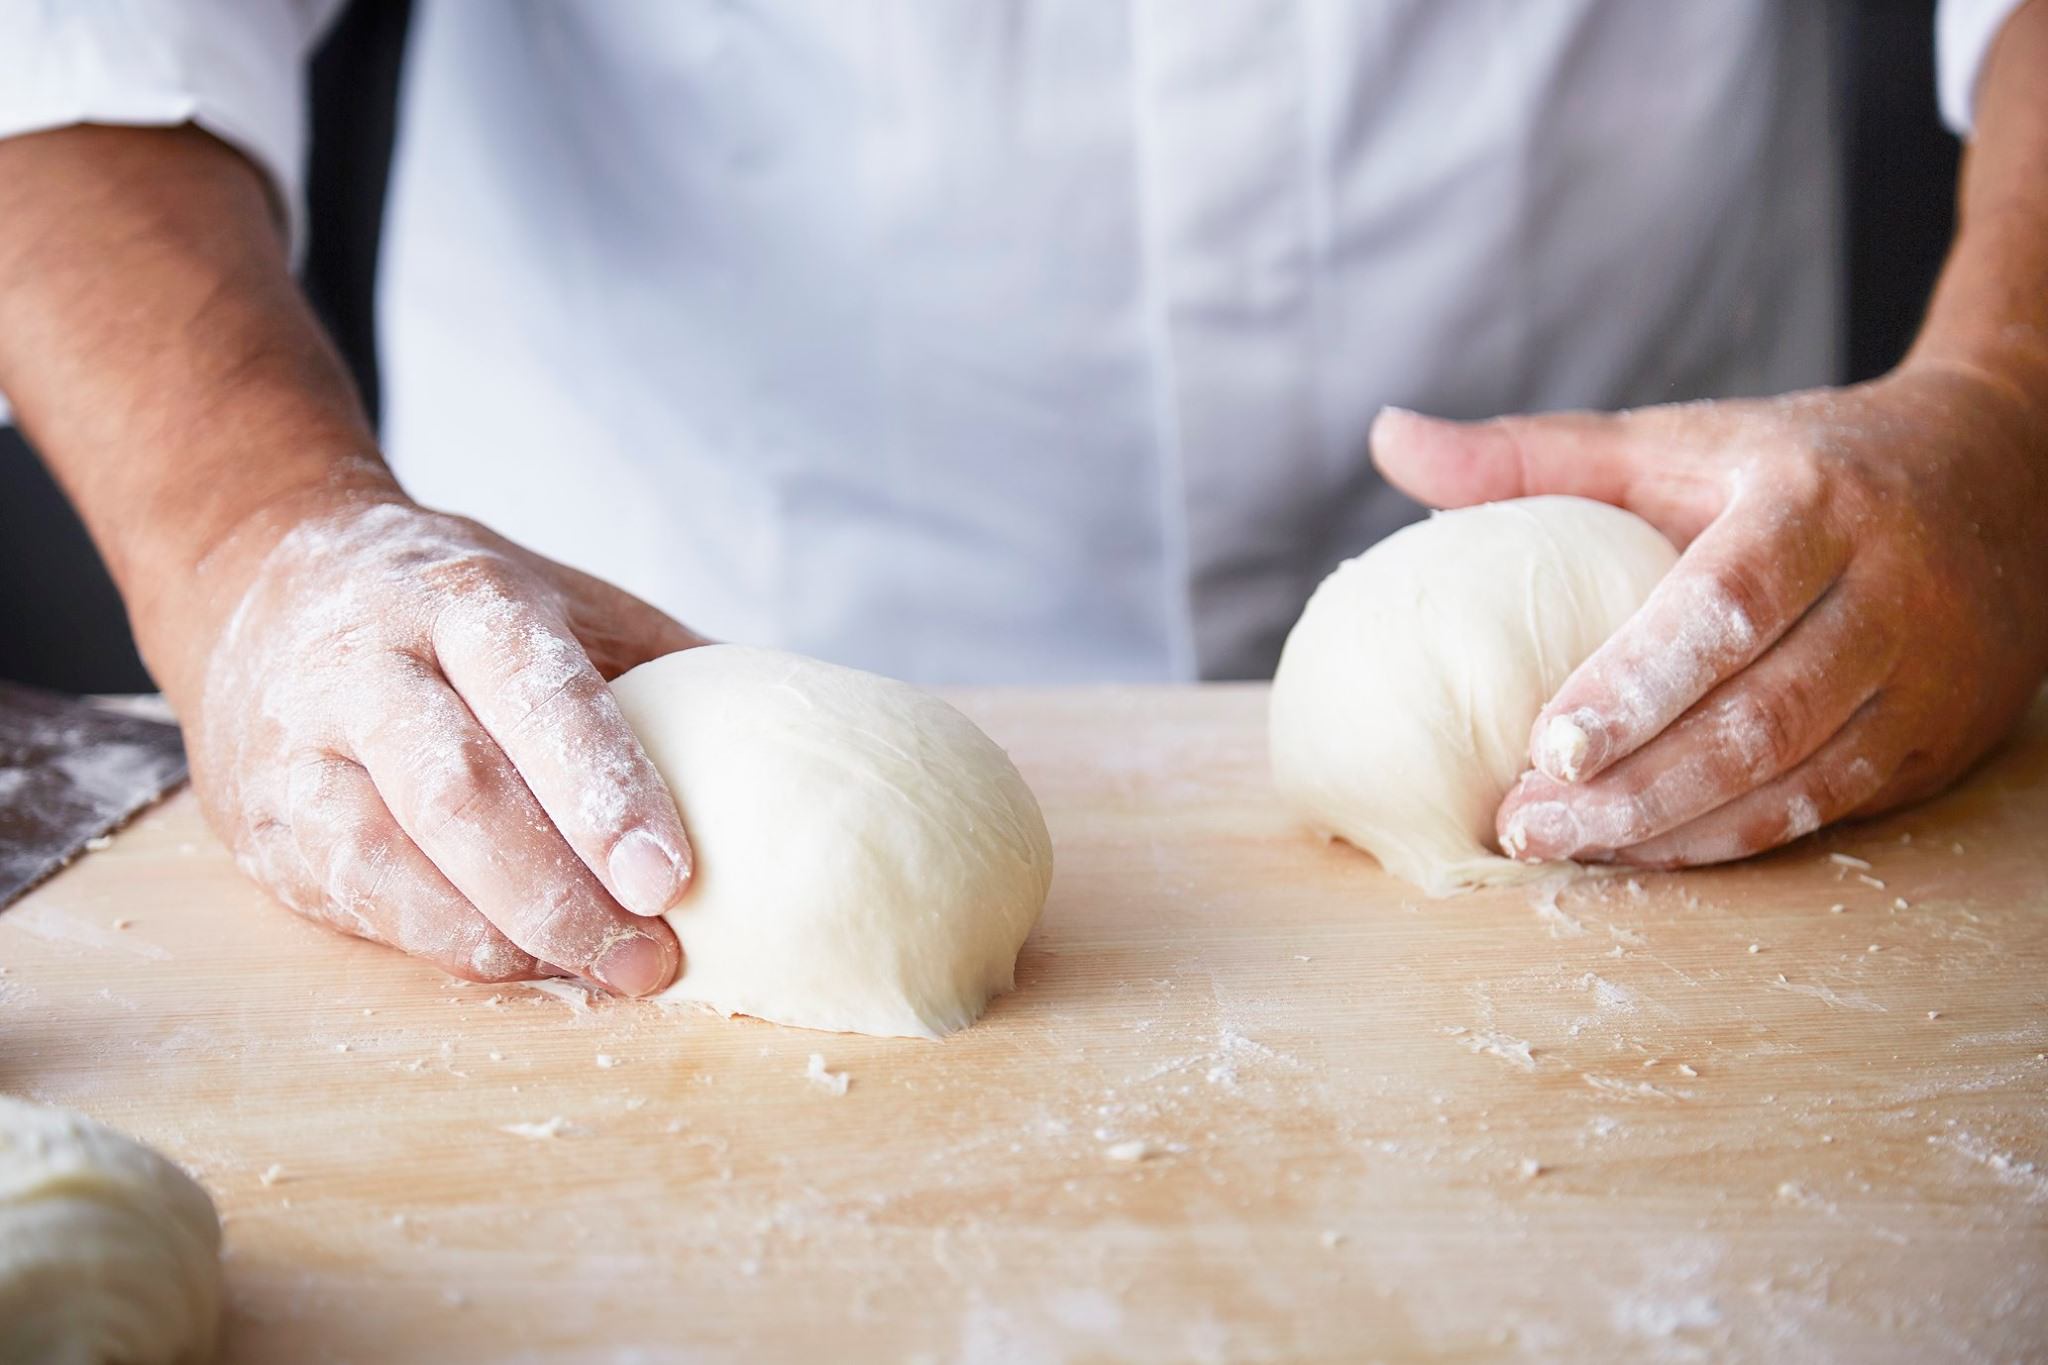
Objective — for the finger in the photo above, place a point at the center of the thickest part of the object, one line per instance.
(369, 880)
(533, 688)
(618, 630)
(456, 794)
(1757, 725)
(1456, 464)
(1737, 589)
(1841, 777)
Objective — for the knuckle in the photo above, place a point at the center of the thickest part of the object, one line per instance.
(1808, 470)
(358, 864)
(403, 664)
(1736, 596)
(268, 854)
(1762, 733)
(1835, 789)
(448, 793)
(555, 677)
(466, 572)
(484, 957)
(1644, 814)
(567, 928)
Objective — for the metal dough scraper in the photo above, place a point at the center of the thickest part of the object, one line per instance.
(70, 771)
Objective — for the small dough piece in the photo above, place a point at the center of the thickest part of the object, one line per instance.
(1402, 707)
(109, 1254)
(867, 860)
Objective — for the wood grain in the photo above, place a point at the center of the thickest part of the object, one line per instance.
(1684, 1117)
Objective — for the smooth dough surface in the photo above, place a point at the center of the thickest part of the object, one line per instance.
(1405, 694)
(109, 1254)
(867, 860)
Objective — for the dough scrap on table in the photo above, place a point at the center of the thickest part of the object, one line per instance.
(108, 1251)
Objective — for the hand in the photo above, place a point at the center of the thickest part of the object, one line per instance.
(404, 731)
(1855, 619)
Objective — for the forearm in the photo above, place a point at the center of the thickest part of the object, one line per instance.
(157, 351)
(1990, 310)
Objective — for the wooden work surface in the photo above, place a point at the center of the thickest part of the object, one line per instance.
(1689, 1117)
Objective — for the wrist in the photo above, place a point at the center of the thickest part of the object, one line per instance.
(182, 588)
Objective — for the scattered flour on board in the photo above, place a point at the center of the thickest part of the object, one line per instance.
(552, 1128)
(832, 1081)
(1544, 903)
(1490, 1043)
(45, 921)
(2006, 1168)
(1632, 1090)
(1827, 996)
(1608, 995)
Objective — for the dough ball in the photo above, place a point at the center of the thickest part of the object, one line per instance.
(1402, 706)
(867, 861)
(109, 1254)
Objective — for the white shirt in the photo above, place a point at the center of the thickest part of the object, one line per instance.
(1010, 341)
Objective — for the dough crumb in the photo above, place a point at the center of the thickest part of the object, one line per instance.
(1756, 948)
(271, 1174)
(605, 1061)
(1137, 1149)
(1848, 860)
(1567, 743)
(554, 1127)
(1934, 1014)
(341, 1047)
(570, 993)
(1331, 1239)
(1837, 909)
(99, 842)
(1901, 903)
(1869, 880)
(1686, 1069)
(1530, 1167)
(834, 1081)
(124, 923)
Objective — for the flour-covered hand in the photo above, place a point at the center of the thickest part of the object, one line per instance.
(404, 730)
(1855, 619)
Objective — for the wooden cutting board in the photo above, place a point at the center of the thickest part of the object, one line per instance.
(1792, 1109)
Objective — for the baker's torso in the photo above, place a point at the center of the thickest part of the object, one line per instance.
(1039, 341)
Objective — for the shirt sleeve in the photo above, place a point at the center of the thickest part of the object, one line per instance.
(236, 68)
(1963, 32)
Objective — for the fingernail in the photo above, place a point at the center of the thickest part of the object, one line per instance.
(1545, 827)
(648, 877)
(635, 965)
(1572, 745)
(1393, 416)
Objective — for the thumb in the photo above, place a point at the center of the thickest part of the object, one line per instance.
(1456, 464)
